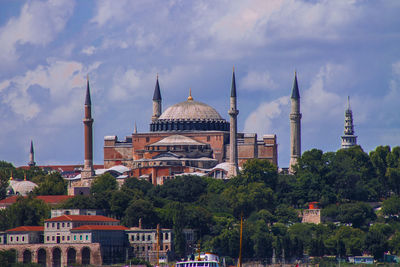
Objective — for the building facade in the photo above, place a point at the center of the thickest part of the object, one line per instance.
(187, 137)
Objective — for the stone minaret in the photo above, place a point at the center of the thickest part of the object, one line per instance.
(348, 139)
(233, 112)
(31, 162)
(156, 102)
(88, 170)
(295, 125)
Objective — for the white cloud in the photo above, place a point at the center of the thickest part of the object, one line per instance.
(62, 81)
(261, 120)
(89, 50)
(258, 81)
(38, 23)
(396, 68)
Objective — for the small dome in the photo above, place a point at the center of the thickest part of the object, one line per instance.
(190, 110)
(23, 187)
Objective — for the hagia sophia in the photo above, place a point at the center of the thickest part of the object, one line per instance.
(189, 137)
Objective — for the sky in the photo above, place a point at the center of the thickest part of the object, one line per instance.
(338, 48)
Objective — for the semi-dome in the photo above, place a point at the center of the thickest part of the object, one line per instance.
(23, 188)
(190, 110)
(190, 115)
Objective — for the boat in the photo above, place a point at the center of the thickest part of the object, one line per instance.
(203, 260)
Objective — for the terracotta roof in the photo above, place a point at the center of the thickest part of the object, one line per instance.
(82, 218)
(26, 229)
(63, 167)
(100, 227)
(47, 199)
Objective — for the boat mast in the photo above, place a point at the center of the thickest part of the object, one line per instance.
(158, 244)
(241, 237)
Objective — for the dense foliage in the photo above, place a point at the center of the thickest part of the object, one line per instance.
(348, 184)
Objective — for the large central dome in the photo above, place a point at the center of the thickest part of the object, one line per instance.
(188, 116)
(190, 110)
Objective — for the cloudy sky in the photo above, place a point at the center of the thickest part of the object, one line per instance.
(338, 48)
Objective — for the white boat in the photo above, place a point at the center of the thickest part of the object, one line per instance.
(205, 260)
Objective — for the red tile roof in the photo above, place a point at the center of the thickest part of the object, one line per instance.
(82, 218)
(26, 229)
(100, 227)
(47, 199)
(63, 167)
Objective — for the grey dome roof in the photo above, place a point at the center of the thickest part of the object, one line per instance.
(23, 187)
(190, 110)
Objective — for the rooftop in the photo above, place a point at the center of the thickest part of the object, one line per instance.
(26, 229)
(82, 218)
(101, 227)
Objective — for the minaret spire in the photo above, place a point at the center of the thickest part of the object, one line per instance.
(233, 112)
(135, 129)
(295, 125)
(348, 139)
(157, 101)
(88, 170)
(31, 162)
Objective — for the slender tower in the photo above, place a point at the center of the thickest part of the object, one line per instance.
(233, 112)
(88, 170)
(156, 102)
(31, 162)
(348, 139)
(295, 125)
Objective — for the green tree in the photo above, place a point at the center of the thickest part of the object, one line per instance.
(79, 202)
(51, 184)
(376, 240)
(140, 209)
(25, 211)
(104, 183)
(358, 214)
(391, 206)
(8, 257)
(183, 188)
(258, 170)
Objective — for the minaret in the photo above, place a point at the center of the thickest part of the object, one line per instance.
(31, 162)
(295, 126)
(88, 170)
(348, 139)
(233, 112)
(156, 102)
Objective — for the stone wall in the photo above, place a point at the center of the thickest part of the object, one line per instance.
(95, 252)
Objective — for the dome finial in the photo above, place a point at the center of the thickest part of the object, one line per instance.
(24, 176)
(190, 98)
(11, 177)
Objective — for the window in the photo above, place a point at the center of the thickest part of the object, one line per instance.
(87, 237)
(149, 237)
(132, 238)
(142, 248)
(166, 236)
(148, 248)
(52, 225)
(74, 237)
(68, 238)
(52, 238)
(80, 237)
(63, 238)
(11, 239)
(17, 239)
(166, 247)
(58, 225)
(147, 139)
(143, 238)
(137, 237)
(23, 238)
(63, 225)
(208, 138)
(48, 238)
(67, 224)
